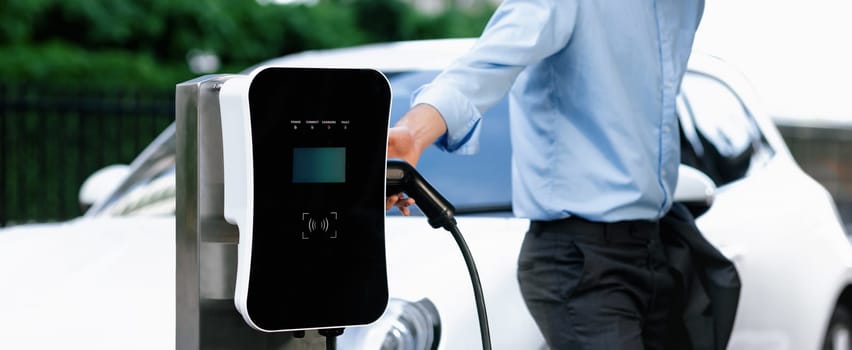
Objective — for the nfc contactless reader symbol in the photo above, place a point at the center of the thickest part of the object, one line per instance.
(325, 223)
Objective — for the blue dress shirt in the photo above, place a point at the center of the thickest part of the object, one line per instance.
(592, 88)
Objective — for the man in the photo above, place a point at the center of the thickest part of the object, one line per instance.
(592, 87)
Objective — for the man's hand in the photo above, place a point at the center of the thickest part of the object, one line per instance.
(401, 144)
(415, 131)
(400, 201)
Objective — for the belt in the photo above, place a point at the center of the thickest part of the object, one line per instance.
(620, 231)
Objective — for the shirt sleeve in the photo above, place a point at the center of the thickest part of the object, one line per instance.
(519, 33)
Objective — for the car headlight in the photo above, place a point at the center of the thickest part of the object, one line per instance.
(405, 325)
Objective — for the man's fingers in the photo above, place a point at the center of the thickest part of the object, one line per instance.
(397, 200)
(391, 201)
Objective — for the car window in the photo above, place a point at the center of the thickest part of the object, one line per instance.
(718, 133)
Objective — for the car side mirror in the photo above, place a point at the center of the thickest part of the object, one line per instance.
(694, 189)
(100, 184)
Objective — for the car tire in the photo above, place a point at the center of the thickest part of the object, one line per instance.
(839, 334)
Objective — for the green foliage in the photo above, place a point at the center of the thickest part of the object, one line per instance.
(61, 64)
(113, 42)
(453, 23)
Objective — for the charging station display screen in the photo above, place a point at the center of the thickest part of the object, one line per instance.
(319, 164)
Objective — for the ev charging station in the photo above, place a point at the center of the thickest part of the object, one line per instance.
(280, 206)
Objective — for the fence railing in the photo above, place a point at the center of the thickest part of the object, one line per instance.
(825, 153)
(53, 138)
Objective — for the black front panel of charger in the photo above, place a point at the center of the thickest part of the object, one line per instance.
(319, 144)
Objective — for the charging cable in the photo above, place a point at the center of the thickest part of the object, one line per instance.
(402, 177)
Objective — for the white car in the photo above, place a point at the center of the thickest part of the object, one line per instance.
(107, 279)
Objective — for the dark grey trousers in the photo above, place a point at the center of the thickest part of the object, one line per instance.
(596, 285)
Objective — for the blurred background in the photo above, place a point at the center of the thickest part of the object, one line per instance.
(86, 84)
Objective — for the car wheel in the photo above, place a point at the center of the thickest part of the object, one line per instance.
(839, 334)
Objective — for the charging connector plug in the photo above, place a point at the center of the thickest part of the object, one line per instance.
(402, 177)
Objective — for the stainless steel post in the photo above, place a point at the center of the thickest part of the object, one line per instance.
(206, 244)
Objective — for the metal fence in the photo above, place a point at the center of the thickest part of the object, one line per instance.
(53, 138)
(825, 153)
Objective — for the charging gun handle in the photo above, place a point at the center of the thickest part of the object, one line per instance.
(402, 177)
